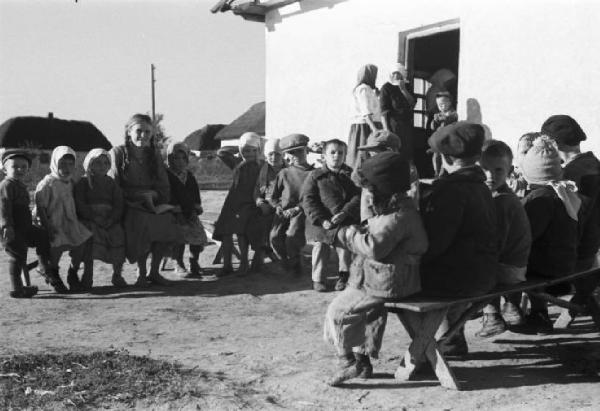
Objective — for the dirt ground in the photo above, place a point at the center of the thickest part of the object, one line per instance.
(262, 335)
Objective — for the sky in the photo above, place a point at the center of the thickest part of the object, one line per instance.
(90, 60)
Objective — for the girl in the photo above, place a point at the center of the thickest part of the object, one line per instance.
(55, 211)
(185, 196)
(240, 214)
(138, 169)
(99, 204)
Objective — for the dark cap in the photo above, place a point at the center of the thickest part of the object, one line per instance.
(382, 140)
(564, 130)
(16, 152)
(461, 139)
(388, 172)
(293, 142)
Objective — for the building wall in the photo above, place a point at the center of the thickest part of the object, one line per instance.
(519, 62)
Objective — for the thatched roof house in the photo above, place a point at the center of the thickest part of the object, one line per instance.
(251, 120)
(45, 133)
(204, 138)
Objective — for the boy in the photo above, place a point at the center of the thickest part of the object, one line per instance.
(446, 115)
(514, 237)
(16, 227)
(330, 200)
(584, 170)
(287, 235)
(460, 220)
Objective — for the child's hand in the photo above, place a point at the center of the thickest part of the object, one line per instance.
(338, 218)
(327, 225)
(8, 234)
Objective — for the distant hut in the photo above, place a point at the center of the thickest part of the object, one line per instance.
(251, 120)
(42, 134)
(204, 138)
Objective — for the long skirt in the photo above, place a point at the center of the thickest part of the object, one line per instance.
(142, 229)
(108, 244)
(359, 132)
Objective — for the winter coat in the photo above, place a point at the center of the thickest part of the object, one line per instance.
(514, 233)
(460, 220)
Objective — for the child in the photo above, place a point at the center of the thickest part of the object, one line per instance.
(584, 170)
(185, 195)
(446, 114)
(514, 238)
(55, 212)
(17, 231)
(239, 214)
(395, 235)
(460, 220)
(287, 235)
(99, 204)
(330, 200)
(265, 185)
(516, 182)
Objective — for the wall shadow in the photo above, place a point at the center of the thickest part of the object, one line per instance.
(474, 115)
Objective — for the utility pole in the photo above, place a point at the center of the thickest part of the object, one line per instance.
(152, 68)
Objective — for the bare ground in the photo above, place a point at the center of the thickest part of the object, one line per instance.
(262, 335)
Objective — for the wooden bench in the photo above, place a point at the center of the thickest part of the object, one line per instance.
(422, 316)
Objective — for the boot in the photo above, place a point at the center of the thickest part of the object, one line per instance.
(319, 286)
(492, 324)
(56, 282)
(455, 346)
(73, 280)
(87, 279)
(364, 365)
(180, 269)
(117, 278)
(512, 314)
(257, 262)
(340, 285)
(141, 280)
(348, 370)
(155, 278)
(14, 270)
(195, 269)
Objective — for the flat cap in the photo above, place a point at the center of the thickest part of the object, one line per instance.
(388, 172)
(461, 139)
(382, 140)
(15, 152)
(564, 130)
(293, 141)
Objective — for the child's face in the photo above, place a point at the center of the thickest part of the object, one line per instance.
(99, 166)
(140, 134)
(275, 159)
(16, 168)
(334, 156)
(444, 104)
(296, 156)
(249, 153)
(65, 166)
(179, 161)
(496, 170)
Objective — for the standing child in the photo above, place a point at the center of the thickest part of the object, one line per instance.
(287, 235)
(185, 196)
(239, 214)
(99, 204)
(55, 211)
(514, 238)
(446, 114)
(17, 231)
(330, 200)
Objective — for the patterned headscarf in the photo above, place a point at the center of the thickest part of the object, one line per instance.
(58, 153)
(91, 156)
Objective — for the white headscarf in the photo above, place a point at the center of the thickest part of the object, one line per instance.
(272, 145)
(91, 156)
(58, 153)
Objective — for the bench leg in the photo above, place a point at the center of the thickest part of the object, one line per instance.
(422, 327)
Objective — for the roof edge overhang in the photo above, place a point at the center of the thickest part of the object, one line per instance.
(253, 11)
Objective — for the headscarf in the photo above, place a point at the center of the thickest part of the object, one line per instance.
(398, 68)
(89, 158)
(173, 148)
(272, 145)
(249, 138)
(58, 153)
(367, 74)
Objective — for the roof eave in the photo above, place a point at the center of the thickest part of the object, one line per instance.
(251, 11)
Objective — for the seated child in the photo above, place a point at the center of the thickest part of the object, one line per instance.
(355, 319)
(446, 114)
(514, 238)
(17, 231)
(239, 214)
(516, 182)
(553, 208)
(99, 204)
(460, 220)
(55, 212)
(185, 196)
(330, 200)
(287, 234)
(265, 185)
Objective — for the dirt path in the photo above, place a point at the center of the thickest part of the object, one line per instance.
(262, 335)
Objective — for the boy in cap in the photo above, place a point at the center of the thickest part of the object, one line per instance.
(584, 170)
(17, 231)
(514, 238)
(330, 200)
(460, 220)
(287, 235)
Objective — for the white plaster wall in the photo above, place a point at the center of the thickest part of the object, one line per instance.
(521, 61)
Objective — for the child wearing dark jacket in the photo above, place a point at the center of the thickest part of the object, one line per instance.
(330, 200)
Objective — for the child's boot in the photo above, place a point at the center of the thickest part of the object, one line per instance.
(180, 269)
(56, 282)
(73, 280)
(117, 278)
(257, 261)
(350, 368)
(18, 290)
(492, 324)
(87, 279)
(364, 365)
(512, 314)
(340, 285)
(195, 269)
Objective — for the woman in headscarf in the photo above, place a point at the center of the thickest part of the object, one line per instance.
(99, 204)
(366, 112)
(150, 228)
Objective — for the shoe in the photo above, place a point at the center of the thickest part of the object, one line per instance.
(118, 281)
(348, 370)
(157, 279)
(256, 265)
(180, 269)
(55, 282)
(342, 280)
(142, 281)
(492, 324)
(226, 270)
(537, 322)
(73, 280)
(512, 314)
(242, 270)
(364, 366)
(319, 286)
(455, 347)
(25, 292)
(195, 270)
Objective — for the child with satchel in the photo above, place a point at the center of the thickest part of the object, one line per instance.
(386, 265)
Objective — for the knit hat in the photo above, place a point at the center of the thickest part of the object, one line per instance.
(541, 164)
(293, 142)
(382, 140)
(388, 172)
(460, 140)
(564, 129)
(249, 138)
(272, 145)
(15, 152)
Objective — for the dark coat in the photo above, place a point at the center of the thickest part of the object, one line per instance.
(460, 220)
(324, 194)
(185, 195)
(398, 114)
